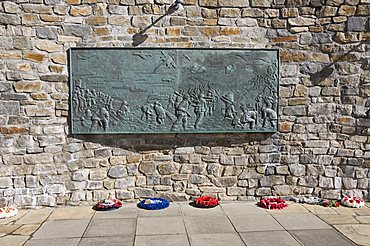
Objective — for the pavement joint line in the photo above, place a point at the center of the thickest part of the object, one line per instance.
(87, 227)
(186, 228)
(31, 236)
(227, 216)
(136, 225)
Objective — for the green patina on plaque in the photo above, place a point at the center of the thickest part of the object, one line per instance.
(157, 90)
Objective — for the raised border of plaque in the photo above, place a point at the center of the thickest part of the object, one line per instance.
(173, 90)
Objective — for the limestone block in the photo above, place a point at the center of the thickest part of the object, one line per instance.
(103, 152)
(297, 169)
(224, 181)
(309, 181)
(197, 179)
(261, 3)
(144, 193)
(77, 30)
(263, 192)
(94, 185)
(5, 182)
(148, 167)
(226, 160)
(282, 190)
(124, 195)
(325, 182)
(357, 24)
(9, 19)
(47, 45)
(124, 183)
(9, 108)
(117, 172)
(80, 175)
(301, 21)
(268, 181)
(98, 174)
(47, 32)
(167, 168)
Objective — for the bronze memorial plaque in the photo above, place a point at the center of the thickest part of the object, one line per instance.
(164, 90)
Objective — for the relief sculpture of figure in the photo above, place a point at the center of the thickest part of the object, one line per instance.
(104, 114)
(211, 99)
(81, 99)
(95, 122)
(75, 100)
(123, 109)
(147, 111)
(159, 112)
(248, 117)
(86, 118)
(229, 106)
(268, 113)
(200, 109)
(181, 113)
(258, 107)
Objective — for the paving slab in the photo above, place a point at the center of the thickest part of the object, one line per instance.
(160, 226)
(53, 242)
(10, 220)
(292, 208)
(327, 237)
(8, 229)
(111, 227)
(358, 233)
(61, 229)
(319, 209)
(208, 225)
(163, 240)
(303, 221)
(26, 230)
(242, 208)
(107, 241)
(12, 240)
(36, 216)
(362, 211)
(173, 210)
(344, 210)
(221, 239)
(363, 219)
(255, 222)
(188, 210)
(276, 238)
(76, 213)
(125, 212)
(336, 219)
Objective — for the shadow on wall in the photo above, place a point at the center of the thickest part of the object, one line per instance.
(141, 37)
(158, 142)
(326, 71)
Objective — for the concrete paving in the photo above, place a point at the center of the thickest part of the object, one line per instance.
(231, 223)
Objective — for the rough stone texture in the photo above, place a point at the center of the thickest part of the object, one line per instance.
(322, 147)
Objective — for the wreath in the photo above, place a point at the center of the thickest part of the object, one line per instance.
(206, 202)
(107, 204)
(8, 211)
(272, 203)
(353, 202)
(329, 203)
(154, 203)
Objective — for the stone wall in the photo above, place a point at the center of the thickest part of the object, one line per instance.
(322, 147)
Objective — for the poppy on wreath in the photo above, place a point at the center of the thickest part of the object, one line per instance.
(206, 202)
(272, 203)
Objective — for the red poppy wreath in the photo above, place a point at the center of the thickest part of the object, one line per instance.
(206, 202)
(272, 203)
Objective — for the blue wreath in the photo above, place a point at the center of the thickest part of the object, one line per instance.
(159, 203)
